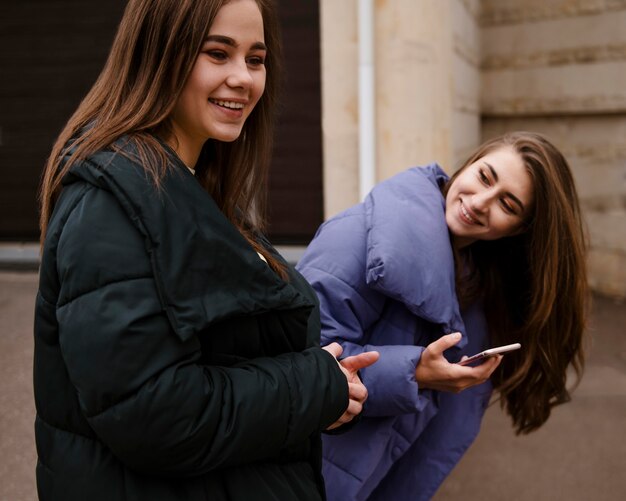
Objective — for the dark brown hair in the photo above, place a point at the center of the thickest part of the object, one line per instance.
(152, 55)
(534, 286)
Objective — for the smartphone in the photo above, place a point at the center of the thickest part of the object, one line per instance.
(490, 353)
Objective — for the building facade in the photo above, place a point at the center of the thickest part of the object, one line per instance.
(443, 76)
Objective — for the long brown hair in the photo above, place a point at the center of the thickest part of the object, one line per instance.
(534, 286)
(152, 55)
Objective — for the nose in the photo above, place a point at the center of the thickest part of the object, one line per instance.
(481, 200)
(239, 75)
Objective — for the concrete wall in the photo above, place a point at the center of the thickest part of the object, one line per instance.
(559, 68)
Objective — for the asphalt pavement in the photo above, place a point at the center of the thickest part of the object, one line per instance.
(579, 455)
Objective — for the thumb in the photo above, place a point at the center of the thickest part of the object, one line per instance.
(444, 342)
(357, 362)
(334, 349)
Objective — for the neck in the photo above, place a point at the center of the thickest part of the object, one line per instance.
(187, 149)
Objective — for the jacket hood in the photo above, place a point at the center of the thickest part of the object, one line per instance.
(409, 253)
(205, 270)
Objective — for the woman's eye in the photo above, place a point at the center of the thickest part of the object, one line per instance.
(256, 60)
(217, 54)
(507, 207)
(483, 177)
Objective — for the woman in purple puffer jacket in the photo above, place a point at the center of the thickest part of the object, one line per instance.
(428, 270)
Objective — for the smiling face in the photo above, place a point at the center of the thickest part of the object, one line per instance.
(226, 82)
(490, 198)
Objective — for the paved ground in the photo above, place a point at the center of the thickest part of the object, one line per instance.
(579, 455)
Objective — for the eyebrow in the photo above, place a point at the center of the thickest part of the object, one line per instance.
(508, 193)
(229, 41)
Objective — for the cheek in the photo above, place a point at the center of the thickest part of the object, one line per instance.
(507, 228)
(259, 85)
(451, 195)
(461, 187)
(201, 86)
(196, 77)
(451, 222)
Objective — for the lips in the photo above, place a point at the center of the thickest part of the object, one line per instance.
(467, 216)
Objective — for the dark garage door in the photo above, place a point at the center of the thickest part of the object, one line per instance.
(53, 50)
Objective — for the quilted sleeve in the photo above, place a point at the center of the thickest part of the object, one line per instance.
(334, 265)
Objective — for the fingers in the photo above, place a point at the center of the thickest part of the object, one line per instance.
(491, 365)
(436, 348)
(346, 417)
(358, 394)
(354, 409)
(334, 349)
(480, 373)
(434, 372)
(487, 367)
(357, 391)
(357, 362)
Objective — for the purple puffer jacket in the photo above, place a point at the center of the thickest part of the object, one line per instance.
(383, 271)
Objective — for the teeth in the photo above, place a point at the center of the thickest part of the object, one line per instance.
(228, 104)
(466, 214)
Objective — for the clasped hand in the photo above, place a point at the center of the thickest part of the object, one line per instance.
(436, 373)
(357, 391)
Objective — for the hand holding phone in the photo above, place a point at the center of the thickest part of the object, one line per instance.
(492, 352)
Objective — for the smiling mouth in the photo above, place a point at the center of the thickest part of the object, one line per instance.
(466, 215)
(231, 105)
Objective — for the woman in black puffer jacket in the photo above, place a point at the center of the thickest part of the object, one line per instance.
(176, 353)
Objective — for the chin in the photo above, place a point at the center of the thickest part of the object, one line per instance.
(228, 135)
(227, 138)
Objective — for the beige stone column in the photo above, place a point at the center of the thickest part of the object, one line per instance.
(414, 84)
(427, 82)
(427, 89)
(340, 114)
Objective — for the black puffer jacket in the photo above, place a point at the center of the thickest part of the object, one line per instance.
(170, 362)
